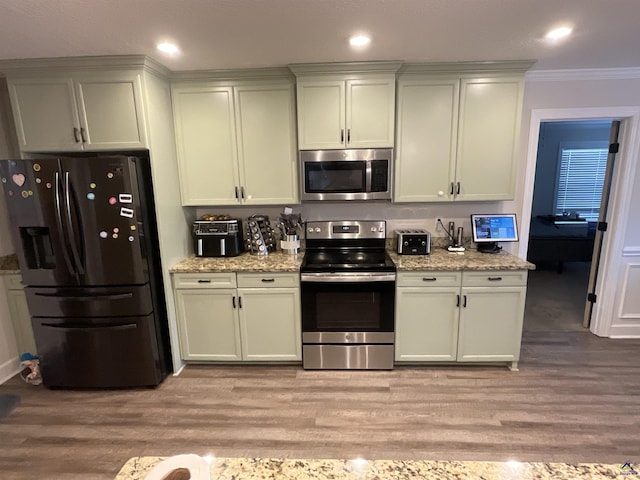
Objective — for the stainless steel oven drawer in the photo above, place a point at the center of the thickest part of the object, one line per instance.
(347, 357)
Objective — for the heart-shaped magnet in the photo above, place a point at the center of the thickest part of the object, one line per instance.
(18, 179)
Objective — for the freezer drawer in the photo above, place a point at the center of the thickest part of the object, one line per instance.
(89, 301)
(97, 352)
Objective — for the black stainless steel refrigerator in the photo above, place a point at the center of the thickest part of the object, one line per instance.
(86, 238)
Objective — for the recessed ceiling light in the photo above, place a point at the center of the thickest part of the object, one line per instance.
(557, 33)
(359, 41)
(168, 48)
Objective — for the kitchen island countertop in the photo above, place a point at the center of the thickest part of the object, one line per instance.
(299, 469)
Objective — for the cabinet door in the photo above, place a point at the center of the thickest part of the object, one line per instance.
(370, 111)
(491, 324)
(208, 324)
(45, 114)
(321, 114)
(426, 324)
(266, 144)
(270, 323)
(490, 115)
(206, 145)
(111, 113)
(21, 321)
(426, 140)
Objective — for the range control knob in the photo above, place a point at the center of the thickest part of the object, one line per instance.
(373, 229)
(406, 244)
(317, 229)
(310, 229)
(424, 243)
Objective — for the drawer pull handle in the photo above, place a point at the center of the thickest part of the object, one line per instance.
(268, 280)
(429, 279)
(204, 281)
(494, 279)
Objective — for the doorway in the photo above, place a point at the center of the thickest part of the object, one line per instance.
(570, 178)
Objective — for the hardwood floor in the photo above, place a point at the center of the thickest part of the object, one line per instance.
(576, 398)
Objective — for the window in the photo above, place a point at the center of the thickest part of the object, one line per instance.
(580, 181)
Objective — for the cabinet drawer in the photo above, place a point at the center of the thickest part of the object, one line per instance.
(13, 282)
(204, 280)
(261, 280)
(428, 279)
(499, 278)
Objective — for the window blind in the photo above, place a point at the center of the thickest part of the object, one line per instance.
(580, 181)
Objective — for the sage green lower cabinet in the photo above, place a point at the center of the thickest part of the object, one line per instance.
(209, 328)
(427, 316)
(478, 320)
(20, 316)
(491, 316)
(229, 317)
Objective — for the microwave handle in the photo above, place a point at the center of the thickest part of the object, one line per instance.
(367, 177)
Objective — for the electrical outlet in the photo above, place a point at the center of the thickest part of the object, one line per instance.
(438, 225)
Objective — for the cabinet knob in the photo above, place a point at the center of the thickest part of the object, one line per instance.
(441, 193)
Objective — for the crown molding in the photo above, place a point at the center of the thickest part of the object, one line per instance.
(347, 68)
(271, 73)
(473, 68)
(35, 66)
(582, 74)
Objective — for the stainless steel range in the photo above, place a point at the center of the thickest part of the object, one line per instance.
(348, 296)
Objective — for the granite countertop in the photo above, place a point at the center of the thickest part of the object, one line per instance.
(299, 469)
(9, 264)
(274, 262)
(439, 259)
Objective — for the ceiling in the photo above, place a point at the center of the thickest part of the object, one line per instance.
(222, 34)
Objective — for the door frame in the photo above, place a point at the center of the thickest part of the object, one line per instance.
(619, 203)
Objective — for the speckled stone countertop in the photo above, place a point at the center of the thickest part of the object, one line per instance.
(9, 265)
(274, 262)
(442, 259)
(300, 469)
(439, 259)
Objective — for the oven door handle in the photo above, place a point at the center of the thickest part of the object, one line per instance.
(347, 277)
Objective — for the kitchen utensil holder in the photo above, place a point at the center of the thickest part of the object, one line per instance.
(290, 244)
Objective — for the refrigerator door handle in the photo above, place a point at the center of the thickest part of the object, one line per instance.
(87, 298)
(128, 326)
(58, 208)
(72, 233)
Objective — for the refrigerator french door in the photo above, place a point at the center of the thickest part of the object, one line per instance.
(84, 231)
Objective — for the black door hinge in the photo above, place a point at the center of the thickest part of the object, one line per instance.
(591, 297)
(614, 147)
(602, 226)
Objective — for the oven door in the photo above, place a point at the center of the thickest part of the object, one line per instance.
(348, 307)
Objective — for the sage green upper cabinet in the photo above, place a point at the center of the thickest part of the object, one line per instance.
(346, 105)
(236, 142)
(426, 139)
(79, 112)
(457, 131)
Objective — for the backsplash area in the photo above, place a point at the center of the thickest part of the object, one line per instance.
(398, 216)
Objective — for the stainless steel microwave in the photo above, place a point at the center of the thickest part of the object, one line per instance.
(356, 174)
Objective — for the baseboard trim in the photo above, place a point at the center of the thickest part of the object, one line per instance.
(624, 331)
(9, 368)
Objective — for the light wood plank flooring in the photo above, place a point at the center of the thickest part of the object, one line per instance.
(576, 398)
